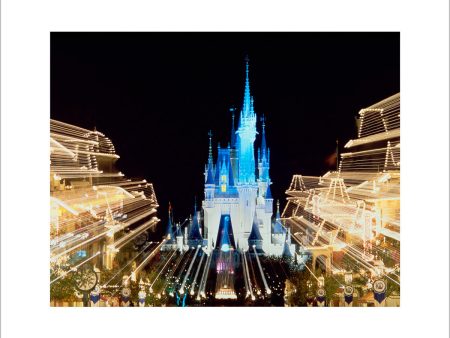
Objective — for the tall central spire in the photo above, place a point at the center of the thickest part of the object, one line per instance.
(247, 134)
(247, 108)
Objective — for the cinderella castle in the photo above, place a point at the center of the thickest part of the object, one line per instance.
(238, 202)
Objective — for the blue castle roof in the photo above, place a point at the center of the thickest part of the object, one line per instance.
(255, 238)
(210, 176)
(255, 234)
(242, 142)
(278, 228)
(169, 229)
(269, 193)
(287, 245)
(225, 237)
(233, 130)
(286, 251)
(178, 232)
(263, 140)
(194, 234)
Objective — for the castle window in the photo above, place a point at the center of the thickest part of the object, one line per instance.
(224, 183)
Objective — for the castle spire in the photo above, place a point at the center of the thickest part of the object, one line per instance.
(195, 237)
(246, 135)
(286, 254)
(255, 234)
(169, 230)
(269, 193)
(248, 102)
(233, 130)
(263, 139)
(210, 159)
(278, 210)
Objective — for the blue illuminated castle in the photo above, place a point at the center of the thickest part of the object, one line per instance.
(238, 185)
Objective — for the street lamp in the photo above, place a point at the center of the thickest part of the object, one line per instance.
(125, 281)
(309, 296)
(348, 277)
(321, 281)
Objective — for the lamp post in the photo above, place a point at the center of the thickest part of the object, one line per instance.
(126, 291)
(142, 294)
(320, 295)
(321, 282)
(309, 298)
(348, 289)
(348, 277)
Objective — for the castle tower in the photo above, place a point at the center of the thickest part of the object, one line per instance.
(169, 235)
(195, 236)
(263, 162)
(209, 180)
(246, 135)
(255, 237)
(247, 185)
(238, 185)
(179, 238)
(233, 149)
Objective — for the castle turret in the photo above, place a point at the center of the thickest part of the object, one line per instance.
(169, 229)
(237, 188)
(179, 238)
(246, 135)
(278, 227)
(233, 129)
(287, 254)
(223, 176)
(209, 183)
(255, 237)
(225, 239)
(263, 162)
(195, 237)
(269, 200)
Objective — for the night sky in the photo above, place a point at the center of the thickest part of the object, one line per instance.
(156, 96)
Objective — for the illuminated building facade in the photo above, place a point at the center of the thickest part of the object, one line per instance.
(96, 212)
(238, 185)
(351, 217)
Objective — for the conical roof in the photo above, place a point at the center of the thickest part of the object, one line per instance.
(178, 232)
(230, 174)
(286, 249)
(255, 234)
(269, 193)
(278, 216)
(263, 140)
(194, 234)
(169, 229)
(233, 131)
(225, 238)
(278, 227)
(217, 173)
(210, 176)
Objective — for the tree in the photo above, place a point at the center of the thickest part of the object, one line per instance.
(299, 288)
(63, 290)
(332, 285)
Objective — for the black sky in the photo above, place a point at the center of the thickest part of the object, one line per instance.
(156, 95)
